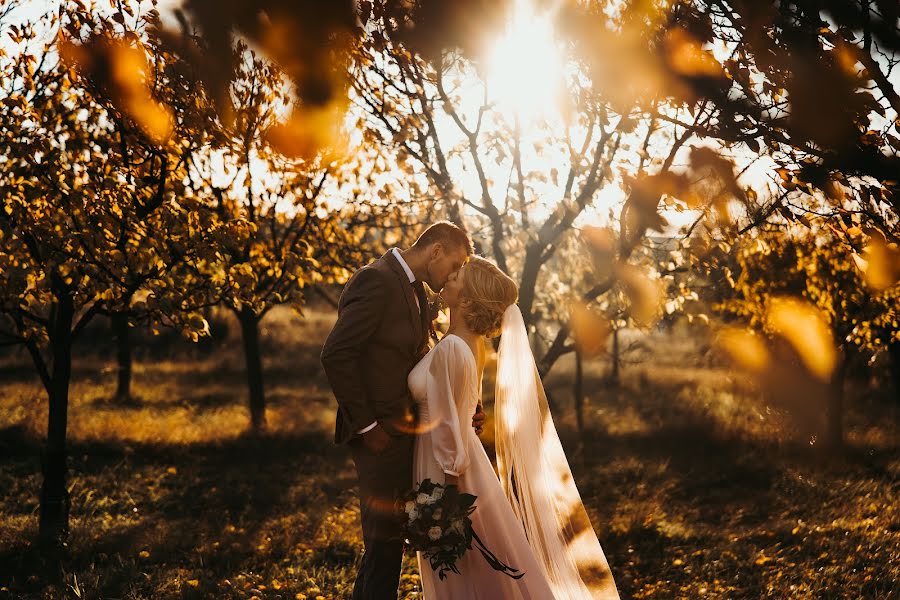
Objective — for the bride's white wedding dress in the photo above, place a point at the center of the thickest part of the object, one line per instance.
(446, 387)
(532, 517)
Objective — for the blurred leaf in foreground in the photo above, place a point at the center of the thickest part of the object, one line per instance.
(803, 326)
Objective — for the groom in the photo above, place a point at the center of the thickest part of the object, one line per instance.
(382, 331)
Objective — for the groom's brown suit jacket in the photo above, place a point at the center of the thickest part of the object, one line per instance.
(378, 338)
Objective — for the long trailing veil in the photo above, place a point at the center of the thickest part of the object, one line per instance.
(536, 477)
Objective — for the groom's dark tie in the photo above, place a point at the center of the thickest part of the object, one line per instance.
(424, 312)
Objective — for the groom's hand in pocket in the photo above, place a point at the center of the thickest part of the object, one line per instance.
(376, 439)
(478, 419)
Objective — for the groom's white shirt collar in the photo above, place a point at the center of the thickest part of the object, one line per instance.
(403, 264)
(412, 278)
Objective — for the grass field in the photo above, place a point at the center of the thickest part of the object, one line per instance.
(695, 488)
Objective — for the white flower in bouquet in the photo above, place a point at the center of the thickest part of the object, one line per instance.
(413, 514)
(437, 513)
(457, 526)
(437, 493)
(434, 533)
(422, 498)
(408, 508)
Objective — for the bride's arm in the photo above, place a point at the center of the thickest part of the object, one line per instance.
(447, 383)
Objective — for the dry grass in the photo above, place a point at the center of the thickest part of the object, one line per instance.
(696, 489)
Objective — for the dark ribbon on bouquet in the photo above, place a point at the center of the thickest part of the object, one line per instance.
(495, 562)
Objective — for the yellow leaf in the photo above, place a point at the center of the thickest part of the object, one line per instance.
(645, 294)
(881, 265)
(804, 327)
(745, 348)
(687, 55)
(589, 329)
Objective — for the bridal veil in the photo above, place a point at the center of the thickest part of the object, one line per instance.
(536, 477)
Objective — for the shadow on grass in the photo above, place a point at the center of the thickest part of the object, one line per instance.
(722, 467)
(234, 503)
(766, 519)
(22, 371)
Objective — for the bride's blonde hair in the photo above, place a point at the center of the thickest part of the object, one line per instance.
(490, 292)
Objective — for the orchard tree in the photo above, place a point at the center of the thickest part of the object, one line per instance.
(806, 289)
(806, 90)
(813, 93)
(289, 229)
(94, 213)
(150, 170)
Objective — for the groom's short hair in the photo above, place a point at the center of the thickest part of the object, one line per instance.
(447, 234)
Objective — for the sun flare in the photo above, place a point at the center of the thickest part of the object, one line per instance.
(525, 65)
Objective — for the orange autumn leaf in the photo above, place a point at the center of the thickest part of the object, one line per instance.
(589, 328)
(805, 328)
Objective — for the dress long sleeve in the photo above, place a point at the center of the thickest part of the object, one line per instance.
(449, 383)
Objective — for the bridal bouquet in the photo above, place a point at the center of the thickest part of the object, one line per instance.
(438, 526)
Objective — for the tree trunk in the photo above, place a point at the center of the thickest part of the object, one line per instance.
(615, 372)
(578, 390)
(122, 331)
(530, 270)
(894, 352)
(836, 407)
(250, 334)
(54, 500)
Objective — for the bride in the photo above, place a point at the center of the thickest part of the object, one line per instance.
(532, 518)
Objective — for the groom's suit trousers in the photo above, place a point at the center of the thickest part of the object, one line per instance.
(383, 477)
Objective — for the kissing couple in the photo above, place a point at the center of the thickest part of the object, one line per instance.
(409, 408)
